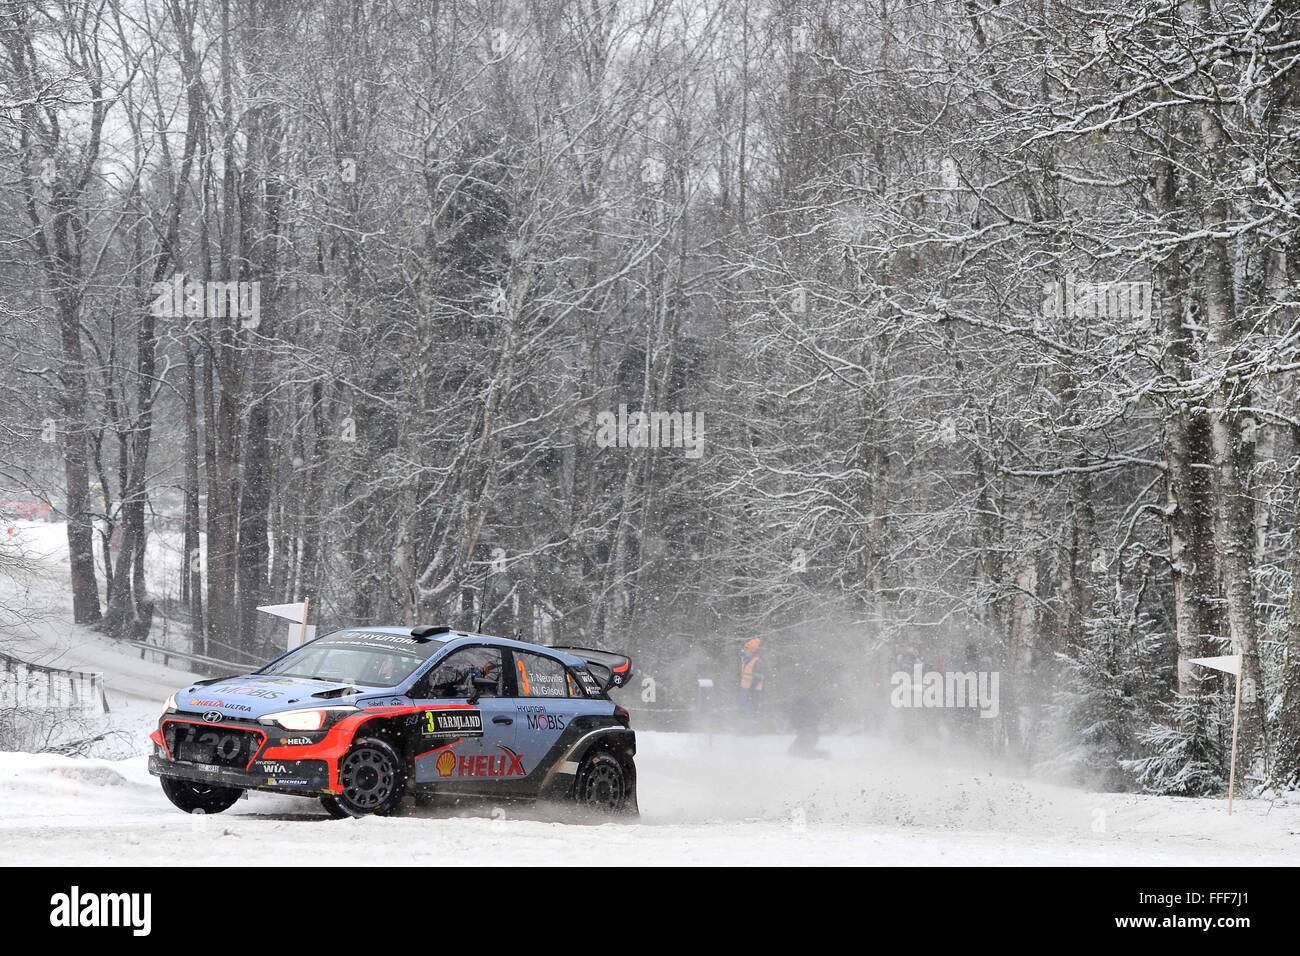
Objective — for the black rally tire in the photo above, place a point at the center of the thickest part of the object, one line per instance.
(602, 783)
(373, 777)
(334, 808)
(195, 797)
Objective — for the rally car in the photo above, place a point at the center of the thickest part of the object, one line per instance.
(363, 716)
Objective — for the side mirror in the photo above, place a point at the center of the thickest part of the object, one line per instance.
(480, 685)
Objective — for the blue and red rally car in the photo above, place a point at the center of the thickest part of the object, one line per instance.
(362, 716)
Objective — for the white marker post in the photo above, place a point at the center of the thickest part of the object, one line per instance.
(297, 613)
(1229, 664)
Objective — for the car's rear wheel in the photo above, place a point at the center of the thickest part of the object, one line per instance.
(373, 777)
(195, 797)
(602, 784)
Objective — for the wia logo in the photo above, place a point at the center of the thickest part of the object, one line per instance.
(74, 909)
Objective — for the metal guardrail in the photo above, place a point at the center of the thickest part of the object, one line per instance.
(168, 653)
(30, 686)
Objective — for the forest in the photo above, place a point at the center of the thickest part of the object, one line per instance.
(956, 330)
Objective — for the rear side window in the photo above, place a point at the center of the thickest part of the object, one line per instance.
(538, 676)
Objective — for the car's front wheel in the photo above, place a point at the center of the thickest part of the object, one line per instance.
(199, 797)
(373, 777)
(603, 784)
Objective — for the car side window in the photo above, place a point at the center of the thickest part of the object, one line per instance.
(454, 676)
(538, 676)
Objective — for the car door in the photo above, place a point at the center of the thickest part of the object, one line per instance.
(465, 730)
(547, 701)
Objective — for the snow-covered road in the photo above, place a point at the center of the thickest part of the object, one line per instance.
(47, 636)
(729, 800)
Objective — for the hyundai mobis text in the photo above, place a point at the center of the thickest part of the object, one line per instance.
(361, 717)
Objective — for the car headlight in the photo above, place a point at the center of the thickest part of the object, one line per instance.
(170, 706)
(312, 718)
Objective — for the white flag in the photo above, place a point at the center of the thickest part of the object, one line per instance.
(1230, 663)
(290, 612)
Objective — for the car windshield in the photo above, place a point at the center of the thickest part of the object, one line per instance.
(363, 658)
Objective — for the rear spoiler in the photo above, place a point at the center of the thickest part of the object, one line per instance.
(611, 669)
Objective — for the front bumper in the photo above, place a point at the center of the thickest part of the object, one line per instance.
(285, 776)
(267, 769)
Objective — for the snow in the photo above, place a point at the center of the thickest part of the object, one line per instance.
(726, 800)
(49, 638)
(712, 800)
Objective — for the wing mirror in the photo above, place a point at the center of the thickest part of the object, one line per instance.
(479, 684)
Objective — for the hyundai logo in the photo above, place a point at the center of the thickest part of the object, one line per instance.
(212, 717)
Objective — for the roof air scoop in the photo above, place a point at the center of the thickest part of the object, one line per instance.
(424, 632)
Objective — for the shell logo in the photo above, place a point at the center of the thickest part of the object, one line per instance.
(446, 763)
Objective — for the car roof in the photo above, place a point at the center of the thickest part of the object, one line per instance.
(455, 638)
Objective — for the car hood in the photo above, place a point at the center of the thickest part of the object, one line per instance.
(251, 695)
